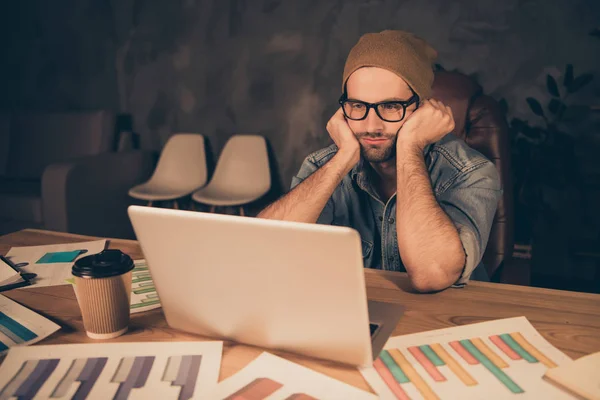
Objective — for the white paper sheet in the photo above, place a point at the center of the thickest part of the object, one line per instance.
(277, 378)
(520, 373)
(151, 370)
(52, 263)
(19, 326)
(143, 292)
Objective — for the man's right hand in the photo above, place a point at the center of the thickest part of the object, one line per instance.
(344, 138)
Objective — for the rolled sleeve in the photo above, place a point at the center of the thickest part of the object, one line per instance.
(471, 205)
(307, 169)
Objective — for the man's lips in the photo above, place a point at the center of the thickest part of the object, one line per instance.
(367, 140)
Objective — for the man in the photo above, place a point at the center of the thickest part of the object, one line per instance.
(421, 199)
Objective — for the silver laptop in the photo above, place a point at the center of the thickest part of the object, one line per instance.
(280, 285)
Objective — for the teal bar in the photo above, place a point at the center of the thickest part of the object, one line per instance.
(145, 290)
(138, 305)
(517, 348)
(394, 368)
(143, 279)
(498, 373)
(433, 357)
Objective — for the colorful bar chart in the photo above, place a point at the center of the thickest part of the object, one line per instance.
(509, 361)
(83, 370)
(143, 292)
(29, 379)
(14, 331)
(161, 370)
(132, 374)
(182, 371)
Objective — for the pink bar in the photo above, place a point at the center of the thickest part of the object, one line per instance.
(389, 380)
(497, 340)
(468, 357)
(427, 364)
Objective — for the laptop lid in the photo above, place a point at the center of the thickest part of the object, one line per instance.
(283, 285)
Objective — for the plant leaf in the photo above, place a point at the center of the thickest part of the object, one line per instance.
(535, 106)
(552, 86)
(568, 75)
(580, 82)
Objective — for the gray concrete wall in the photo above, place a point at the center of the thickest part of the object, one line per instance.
(220, 67)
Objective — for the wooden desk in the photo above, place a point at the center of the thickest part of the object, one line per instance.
(570, 321)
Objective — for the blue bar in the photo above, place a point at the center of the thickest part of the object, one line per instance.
(14, 330)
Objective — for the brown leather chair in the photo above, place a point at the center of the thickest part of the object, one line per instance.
(482, 125)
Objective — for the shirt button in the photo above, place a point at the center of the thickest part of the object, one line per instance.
(380, 218)
(391, 220)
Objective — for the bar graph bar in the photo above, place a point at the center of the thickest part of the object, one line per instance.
(498, 373)
(493, 357)
(505, 348)
(454, 366)
(29, 379)
(132, 374)
(426, 363)
(258, 389)
(508, 339)
(529, 348)
(14, 330)
(390, 380)
(183, 371)
(83, 370)
(457, 347)
(412, 375)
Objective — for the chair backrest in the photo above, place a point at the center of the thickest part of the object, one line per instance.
(480, 122)
(243, 166)
(182, 163)
(37, 139)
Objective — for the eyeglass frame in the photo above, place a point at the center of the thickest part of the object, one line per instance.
(405, 104)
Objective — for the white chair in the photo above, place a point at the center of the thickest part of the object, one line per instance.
(181, 170)
(242, 174)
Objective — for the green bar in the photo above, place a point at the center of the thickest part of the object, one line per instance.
(394, 368)
(145, 290)
(152, 296)
(432, 355)
(143, 279)
(502, 377)
(138, 305)
(140, 269)
(506, 338)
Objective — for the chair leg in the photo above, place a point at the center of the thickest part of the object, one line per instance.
(242, 211)
(175, 205)
(150, 202)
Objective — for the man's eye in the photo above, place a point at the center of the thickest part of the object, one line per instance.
(392, 107)
(357, 106)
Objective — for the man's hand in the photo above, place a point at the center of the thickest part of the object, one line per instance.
(429, 123)
(343, 137)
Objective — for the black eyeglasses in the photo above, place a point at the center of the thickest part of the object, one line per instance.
(389, 111)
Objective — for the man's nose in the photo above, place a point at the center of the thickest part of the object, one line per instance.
(373, 122)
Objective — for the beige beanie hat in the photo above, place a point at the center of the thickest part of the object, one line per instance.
(400, 52)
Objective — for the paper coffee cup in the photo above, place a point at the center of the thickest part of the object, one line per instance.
(103, 290)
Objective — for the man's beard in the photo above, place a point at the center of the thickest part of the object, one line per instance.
(378, 153)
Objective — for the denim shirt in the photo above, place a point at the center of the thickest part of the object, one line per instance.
(464, 182)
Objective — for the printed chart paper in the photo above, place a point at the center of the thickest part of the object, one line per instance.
(152, 370)
(21, 326)
(275, 378)
(496, 359)
(143, 292)
(52, 263)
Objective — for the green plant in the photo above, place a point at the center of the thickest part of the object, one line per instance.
(544, 161)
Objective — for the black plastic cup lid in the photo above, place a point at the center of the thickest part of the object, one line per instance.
(105, 264)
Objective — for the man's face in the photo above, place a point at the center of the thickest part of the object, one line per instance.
(377, 137)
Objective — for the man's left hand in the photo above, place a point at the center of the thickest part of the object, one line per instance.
(429, 123)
